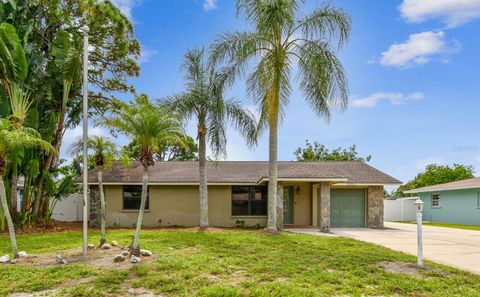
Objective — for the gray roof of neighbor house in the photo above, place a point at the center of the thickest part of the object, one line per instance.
(245, 172)
(471, 183)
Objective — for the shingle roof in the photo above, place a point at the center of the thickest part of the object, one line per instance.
(240, 172)
(470, 183)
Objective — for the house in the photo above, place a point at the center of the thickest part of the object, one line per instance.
(323, 194)
(455, 202)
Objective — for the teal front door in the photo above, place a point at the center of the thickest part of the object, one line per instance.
(288, 205)
(347, 208)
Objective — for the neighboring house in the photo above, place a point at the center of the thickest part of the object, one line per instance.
(324, 194)
(398, 209)
(456, 202)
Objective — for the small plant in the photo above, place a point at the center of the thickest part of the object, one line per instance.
(258, 226)
(240, 223)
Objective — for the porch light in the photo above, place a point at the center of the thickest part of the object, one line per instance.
(299, 191)
(419, 204)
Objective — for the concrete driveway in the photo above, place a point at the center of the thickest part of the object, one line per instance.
(454, 247)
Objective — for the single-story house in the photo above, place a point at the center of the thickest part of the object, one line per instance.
(323, 194)
(455, 202)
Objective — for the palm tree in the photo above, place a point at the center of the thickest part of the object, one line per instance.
(205, 100)
(12, 140)
(104, 153)
(146, 124)
(283, 40)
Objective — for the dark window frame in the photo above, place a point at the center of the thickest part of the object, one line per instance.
(436, 197)
(251, 211)
(147, 204)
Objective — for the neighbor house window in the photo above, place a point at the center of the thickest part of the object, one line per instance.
(436, 200)
(478, 199)
(249, 201)
(132, 196)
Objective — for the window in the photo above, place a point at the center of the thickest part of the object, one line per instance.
(478, 199)
(249, 201)
(132, 196)
(436, 200)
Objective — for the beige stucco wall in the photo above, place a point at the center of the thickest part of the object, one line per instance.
(176, 206)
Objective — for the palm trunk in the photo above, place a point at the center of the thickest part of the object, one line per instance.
(203, 179)
(103, 238)
(135, 249)
(272, 176)
(11, 229)
(13, 195)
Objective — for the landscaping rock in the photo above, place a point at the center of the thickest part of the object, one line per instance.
(119, 258)
(14, 261)
(61, 260)
(91, 246)
(22, 254)
(135, 260)
(4, 259)
(124, 253)
(171, 248)
(146, 253)
(105, 246)
(114, 243)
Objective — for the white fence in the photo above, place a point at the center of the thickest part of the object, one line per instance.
(402, 209)
(69, 209)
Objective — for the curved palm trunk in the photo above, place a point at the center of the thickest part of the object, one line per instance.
(103, 235)
(272, 176)
(135, 249)
(203, 179)
(11, 229)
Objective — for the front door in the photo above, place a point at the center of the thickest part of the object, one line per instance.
(288, 205)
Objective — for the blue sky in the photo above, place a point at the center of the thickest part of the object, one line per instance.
(412, 65)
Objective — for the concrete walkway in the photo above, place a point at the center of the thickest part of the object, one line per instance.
(455, 247)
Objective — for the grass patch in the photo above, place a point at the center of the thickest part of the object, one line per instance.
(236, 263)
(448, 225)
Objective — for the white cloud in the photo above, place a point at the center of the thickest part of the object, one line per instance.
(439, 160)
(451, 12)
(416, 50)
(209, 5)
(395, 98)
(73, 135)
(125, 6)
(146, 54)
(477, 158)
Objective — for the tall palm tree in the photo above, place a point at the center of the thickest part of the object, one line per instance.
(146, 124)
(12, 140)
(104, 153)
(204, 99)
(284, 40)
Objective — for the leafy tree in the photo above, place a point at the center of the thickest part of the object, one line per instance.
(283, 40)
(437, 174)
(149, 126)
(13, 139)
(204, 100)
(183, 149)
(318, 152)
(104, 153)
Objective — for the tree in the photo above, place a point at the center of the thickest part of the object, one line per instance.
(148, 126)
(318, 152)
(282, 41)
(436, 174)
(13, 139)
(104, 153)
(183, 149)
(204, 99)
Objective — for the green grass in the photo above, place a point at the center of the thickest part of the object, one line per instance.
(236, 263)
(458, 226)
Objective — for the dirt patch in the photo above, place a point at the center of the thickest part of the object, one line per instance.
(96, 257)
(53, 292)
(401, 267)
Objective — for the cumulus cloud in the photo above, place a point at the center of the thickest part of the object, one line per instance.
(395, 98)
(417, 50)
(451, 12)
(209, 5)
(125, 6)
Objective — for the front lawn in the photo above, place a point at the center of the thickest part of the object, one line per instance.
(234, 263)
(448, 225)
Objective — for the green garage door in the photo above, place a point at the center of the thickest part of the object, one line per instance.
(347, 208)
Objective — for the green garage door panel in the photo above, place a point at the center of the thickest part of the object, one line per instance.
(347, 208)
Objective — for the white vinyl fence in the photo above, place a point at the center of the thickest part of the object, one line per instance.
(402, 209)
(69, 209)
